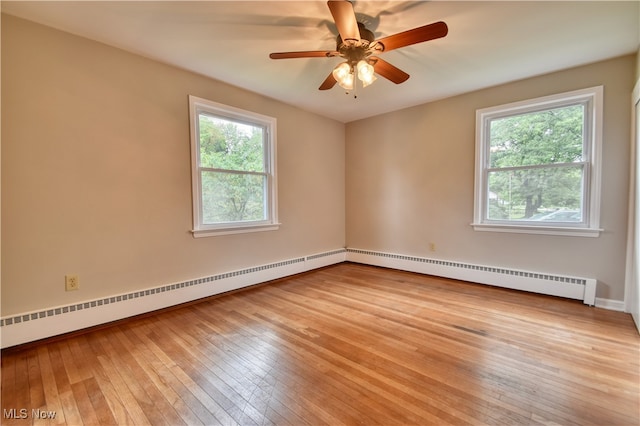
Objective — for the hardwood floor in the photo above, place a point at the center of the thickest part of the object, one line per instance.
(348, 344)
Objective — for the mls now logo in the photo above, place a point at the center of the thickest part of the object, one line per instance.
(14, 413)
(23, 413)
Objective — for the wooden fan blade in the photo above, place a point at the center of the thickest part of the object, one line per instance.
(345, 19)
(416, 35)
(328, 83)
(303, 54)
(388, 71)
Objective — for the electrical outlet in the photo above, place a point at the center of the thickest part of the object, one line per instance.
(432, 246)
(71, 282)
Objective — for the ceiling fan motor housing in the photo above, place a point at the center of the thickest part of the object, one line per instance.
(355, 51)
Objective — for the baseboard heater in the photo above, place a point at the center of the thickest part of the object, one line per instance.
(553, 285)
(44, 323)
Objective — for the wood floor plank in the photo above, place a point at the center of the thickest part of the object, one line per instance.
(158, 397)
(256, 371)
(286, 372)
(100, 405)
(49, 384)
(9, 400)
(22, 395)
(347, 344)
(86, 412)
(205, 408)
(70, 408)
(82, 358)
(103, 382)
(185, 403)
(320, 375)
(173, 408)
(230, 404)
(123, 387)
(247, 358)
(36, 391)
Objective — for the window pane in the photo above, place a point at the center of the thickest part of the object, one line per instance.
(547, 194)
(230, 145)
(233, 197)
(543, 137)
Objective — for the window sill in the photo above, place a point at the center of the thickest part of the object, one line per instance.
(214, 232)
(543, 230)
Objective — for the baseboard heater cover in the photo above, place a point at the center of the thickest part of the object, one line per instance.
(553, 285)
(31, 326)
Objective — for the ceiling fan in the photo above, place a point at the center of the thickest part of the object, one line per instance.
(358, 46)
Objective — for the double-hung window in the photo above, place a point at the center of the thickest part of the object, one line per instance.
(538, 165)
(233, 169)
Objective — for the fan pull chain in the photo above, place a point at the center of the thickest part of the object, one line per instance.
(355, 86)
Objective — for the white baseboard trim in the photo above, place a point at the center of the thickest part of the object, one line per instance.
(612, 305)
(31, 326)
(536, 282)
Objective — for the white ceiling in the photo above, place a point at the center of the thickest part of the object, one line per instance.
(488, 43)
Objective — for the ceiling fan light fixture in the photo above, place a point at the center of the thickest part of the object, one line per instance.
(343, 75)
(359, 47)
(366, 73)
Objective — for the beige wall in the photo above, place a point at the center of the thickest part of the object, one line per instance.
(410, 179)
(96, 173)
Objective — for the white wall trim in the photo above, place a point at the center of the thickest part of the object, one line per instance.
(632, 285)
(536, 282)
(592, 100)
(612, 305)
(31, 326)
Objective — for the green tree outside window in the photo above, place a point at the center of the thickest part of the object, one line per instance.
(233, 170)
(536, 165)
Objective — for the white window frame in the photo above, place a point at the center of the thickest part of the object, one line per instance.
(592, 98)
(200, 229)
